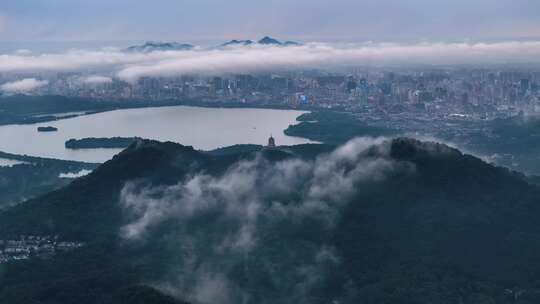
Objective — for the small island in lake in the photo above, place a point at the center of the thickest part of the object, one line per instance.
(97, 143)
(47, 129)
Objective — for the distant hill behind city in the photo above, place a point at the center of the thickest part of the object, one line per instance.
(151, 46)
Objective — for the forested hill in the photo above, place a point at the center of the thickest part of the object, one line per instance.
(398, 221)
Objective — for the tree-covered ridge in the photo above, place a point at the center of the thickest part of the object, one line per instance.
(334, 127)
(34, 176)
(100, 143)
(396, 221)
(512, 142)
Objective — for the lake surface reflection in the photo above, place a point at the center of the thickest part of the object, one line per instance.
(203, 128)
(4, 162)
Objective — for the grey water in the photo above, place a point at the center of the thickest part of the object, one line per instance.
(4, 162)
(202, 128)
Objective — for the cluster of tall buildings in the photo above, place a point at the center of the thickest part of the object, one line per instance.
(479, 91)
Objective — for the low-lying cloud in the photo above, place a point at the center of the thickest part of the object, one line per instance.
(258, 58)
(222, 221)
(248, 184)
(22, 86)
(96, 80)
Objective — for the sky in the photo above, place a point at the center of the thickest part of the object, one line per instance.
(304, 20)
(89, 36)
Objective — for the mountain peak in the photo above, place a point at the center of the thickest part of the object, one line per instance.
(408, 148)
(151, 46)
(269, 41)
(238, 42)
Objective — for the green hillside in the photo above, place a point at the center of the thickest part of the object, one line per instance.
(400, 221)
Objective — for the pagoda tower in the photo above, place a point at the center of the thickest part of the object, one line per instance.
(271, 142)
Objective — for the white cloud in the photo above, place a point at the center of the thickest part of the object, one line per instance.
(250, 197)
(23, 52)
(22, 86)
(81, 173)
(96, 79)
(74, 60)
(240, 193)
(257, 58)
(131, 66)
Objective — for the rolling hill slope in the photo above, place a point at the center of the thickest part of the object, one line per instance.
(397, 221)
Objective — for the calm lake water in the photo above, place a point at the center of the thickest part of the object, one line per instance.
(203, 128)
(9, 162)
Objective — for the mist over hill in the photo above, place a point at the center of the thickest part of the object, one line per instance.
(371, 221)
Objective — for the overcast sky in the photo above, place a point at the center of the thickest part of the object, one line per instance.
(306, 20)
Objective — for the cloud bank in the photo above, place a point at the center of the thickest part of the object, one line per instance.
(22, 86)
(257, 58)
(96, 79)
(223, 221)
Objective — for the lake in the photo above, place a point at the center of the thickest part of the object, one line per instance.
(4, 162)
(203, 128)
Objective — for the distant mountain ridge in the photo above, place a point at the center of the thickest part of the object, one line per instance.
(235, 42)
(267, 40)
(152, 46)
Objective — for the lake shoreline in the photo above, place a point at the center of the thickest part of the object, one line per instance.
(37, 118)
(205, 128)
